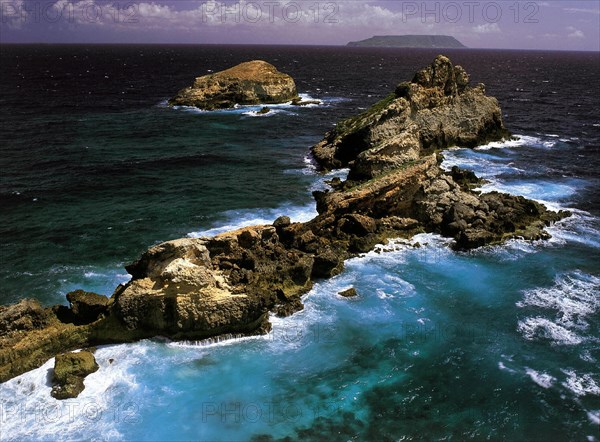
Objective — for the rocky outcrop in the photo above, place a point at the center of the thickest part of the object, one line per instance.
(434, 111)
(348, 293)
(253, 82)
(393, 152)
(86, 307)
(70, 369)
(196, 288)
(27, 315)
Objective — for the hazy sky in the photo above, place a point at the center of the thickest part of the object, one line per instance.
(564, 25)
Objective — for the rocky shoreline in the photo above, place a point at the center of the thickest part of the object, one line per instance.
(228, 284)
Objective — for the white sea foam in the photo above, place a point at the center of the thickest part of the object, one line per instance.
(218, 341)
(581, 385)
(109, 400)
(579, 228)
(237, 219)
(259, 114)
(594, 416)
(307, 97)
(252, 110)
(544, 380)
(483, 164)
(321, 184)
(496, 169)
(522, 140)
(574, 297)
(430, 246)
(545, 192)
(587, 357)
(315, 322)
(515, 141)
(535, 328)
(502, 366)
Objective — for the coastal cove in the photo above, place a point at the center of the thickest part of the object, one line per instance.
(527, 329)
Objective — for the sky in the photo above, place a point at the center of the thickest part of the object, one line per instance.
(554, 25)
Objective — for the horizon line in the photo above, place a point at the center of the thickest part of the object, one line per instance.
(279, 45)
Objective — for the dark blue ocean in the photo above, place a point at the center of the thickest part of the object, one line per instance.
(501, 343)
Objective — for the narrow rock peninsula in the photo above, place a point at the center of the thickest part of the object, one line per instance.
(253, 82)
(228, 284)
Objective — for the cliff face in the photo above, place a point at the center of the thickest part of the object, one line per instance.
(228, 284)
(409, 41)
(253, 82)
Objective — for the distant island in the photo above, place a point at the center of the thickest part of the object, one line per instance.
(409, 41)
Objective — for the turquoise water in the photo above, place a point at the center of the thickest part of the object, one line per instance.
(497, 343)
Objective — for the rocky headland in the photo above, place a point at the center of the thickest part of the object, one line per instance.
(229, 284)
(252, 82)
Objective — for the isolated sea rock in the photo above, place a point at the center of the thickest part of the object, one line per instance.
(70, 369)
(252, 82)
(348, 293)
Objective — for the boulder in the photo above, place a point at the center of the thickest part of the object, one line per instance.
(252, 82)
(86, 307)
(327, 263)
(348, 293)
(70, 369)
(356, 224)
(464, 178)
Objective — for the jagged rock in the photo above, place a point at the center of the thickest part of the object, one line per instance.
(356, 224)
(282, 221)
(70, 369)
(348, 293)
(391, 150)
(434, 111)
(176, 291)
(464, 178)
(327, 264)
(252, 82)
(28, 314)
(86, 307)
